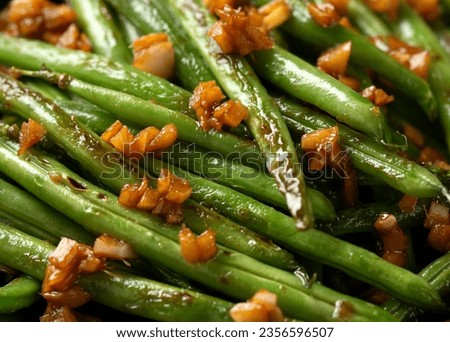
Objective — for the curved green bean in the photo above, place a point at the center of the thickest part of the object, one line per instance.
(18, 294)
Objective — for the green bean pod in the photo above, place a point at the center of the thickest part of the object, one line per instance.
(263, 120)
(314, 302)
(144, 113)
(33, 54)
(368, 155)
(18, 294)
(26, 227)
(153, 17)
(24, 206)
(96, 21)
(118, 290)
(364, 53)
(87, 113)
(366, 20)
(129, 31)
(361, 219)
(412, 29)
(437, 274)
(250, 181)
(304, 81)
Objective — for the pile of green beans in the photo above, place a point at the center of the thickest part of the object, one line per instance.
(278, 226)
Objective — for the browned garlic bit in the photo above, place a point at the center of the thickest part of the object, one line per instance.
(262, 307)
(212, 113)
(154, 54)
(200, 248)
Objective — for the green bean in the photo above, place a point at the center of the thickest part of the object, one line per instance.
(411, 28)
(155, 16)
(144, 113)
(250, 181)
(26, 227)
(304, 81)
(364, 53)
(129, 31)
(437, 274)
(443, 35)
(46, 89)
(362, 218)
(263, 120)
(368, 155)
(26, 207)
(32, 54)
(96, 21)
(119, 290)
(365, 20)
(18, 294)
(401, 115)
(315, 302)
(87, 113)
(312, 243)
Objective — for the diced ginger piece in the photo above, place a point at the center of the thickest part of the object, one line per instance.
(31, 133)
(389, 7)
(230, 113)
(249, 312)
(58, 16)
(275, 13)
(238, 32)
(106, 246)
(154, 54)
(408, 203)
(377, 96)
(22, 9)
(324, 14)
(164, 139)
(189, 247)
(428, 9)
(197, 248)
(131, 194)
(439, 237)
(395, 242)
(335, 61)
(340, 5)
(73, 297)
(437, 214)
(413, 134)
